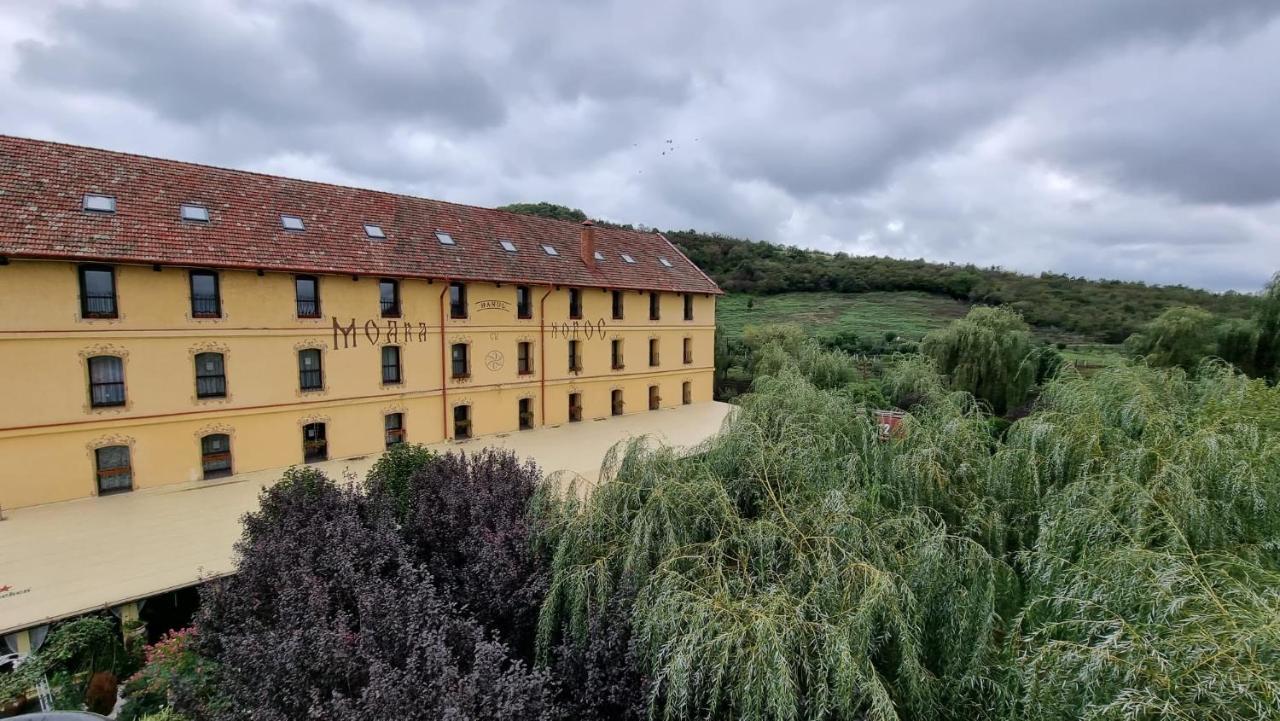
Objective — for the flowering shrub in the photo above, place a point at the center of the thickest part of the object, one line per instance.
(174, 674)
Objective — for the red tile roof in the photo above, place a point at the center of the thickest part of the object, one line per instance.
(42, 186)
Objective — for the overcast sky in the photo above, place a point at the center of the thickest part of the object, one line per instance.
(1107, 138)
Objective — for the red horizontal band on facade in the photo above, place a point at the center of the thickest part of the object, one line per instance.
(427, 392)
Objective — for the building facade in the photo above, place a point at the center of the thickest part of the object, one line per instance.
(163, 323)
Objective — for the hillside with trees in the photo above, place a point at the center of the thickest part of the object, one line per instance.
(1108, 311)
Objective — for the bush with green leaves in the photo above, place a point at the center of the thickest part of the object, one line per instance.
(72, 652)
(390, 474)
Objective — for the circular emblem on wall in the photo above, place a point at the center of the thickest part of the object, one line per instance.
(493, 360)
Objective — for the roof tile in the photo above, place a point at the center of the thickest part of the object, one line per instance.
(42, 185)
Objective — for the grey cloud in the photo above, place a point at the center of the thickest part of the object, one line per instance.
(305, 68)
(939, 77)
(1198, 124)
(1129, 139)
(1035, 35)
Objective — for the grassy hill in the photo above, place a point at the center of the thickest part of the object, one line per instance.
(909, 314)
(871, 315)
(1106, 311)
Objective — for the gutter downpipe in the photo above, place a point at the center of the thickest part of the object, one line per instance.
(542, 351)
(444, 389)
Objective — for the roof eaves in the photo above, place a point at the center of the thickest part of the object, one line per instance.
(715, 285)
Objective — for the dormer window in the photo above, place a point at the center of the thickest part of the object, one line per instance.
(292, 222)
(444, 238)
(99, 203)
(598, 255)
(195, 213)
(628, 258)
(549, 250)
(507, 246)
(374, 231)
(664, 261)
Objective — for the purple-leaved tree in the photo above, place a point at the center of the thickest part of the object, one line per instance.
(330, 616)
(467, 519)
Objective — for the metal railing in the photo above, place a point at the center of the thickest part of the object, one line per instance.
(211, 386)
(391, 373)
(99, 305)
(308, 308)
(315, 451)
(111, 480)
(462, 429)
(106, 393)
(216, 465)
(205, 306)
(310, 380)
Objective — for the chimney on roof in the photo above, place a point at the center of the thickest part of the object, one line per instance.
(588, 244)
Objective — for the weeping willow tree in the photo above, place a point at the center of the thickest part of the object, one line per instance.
(793, 570)
(1146, 634)
(1153, 585)
(1180, 337)
(987, 353)
(1266, 360)
(1113, 555)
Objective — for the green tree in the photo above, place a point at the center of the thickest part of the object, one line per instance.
(1237, 343)
(1111, 556)
(987, 353)
(1180, 337)
(1266, 361)
(546, 210)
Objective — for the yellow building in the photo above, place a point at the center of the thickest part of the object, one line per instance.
(162, 322)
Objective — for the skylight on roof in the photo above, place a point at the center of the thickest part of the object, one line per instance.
(549, 250)
(628, 258)
(507, 246)
(664, 261)
(599, 255)
(445, 238)
(99, 203)
(374, 231)
(292, 222)
(195, 213)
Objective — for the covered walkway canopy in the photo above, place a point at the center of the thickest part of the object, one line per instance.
(66, 559)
